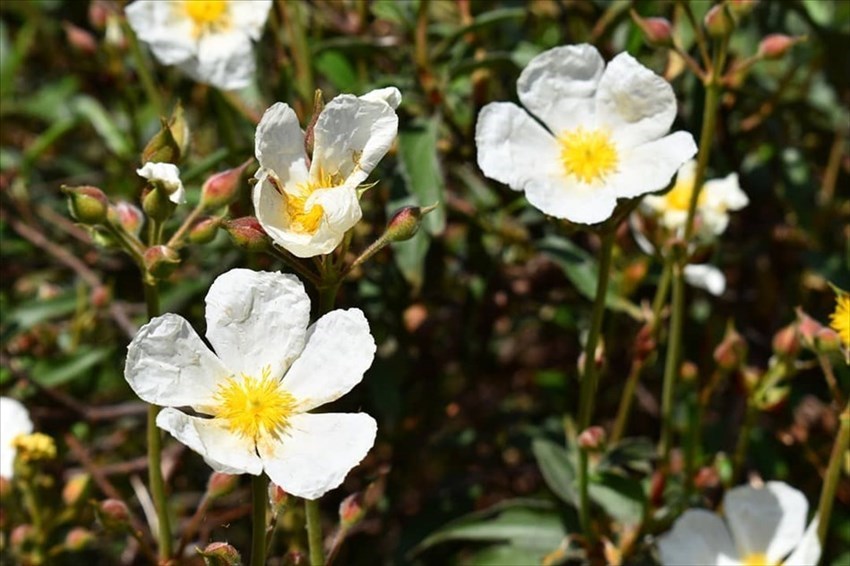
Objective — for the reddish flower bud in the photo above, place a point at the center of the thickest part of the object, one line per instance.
(592, 439)
(99, 11)
(405, 223)
(161, 261)
(79, 39)
(706, 478)
(100, 296)
(688, 372)
(656, 31)
(78, 539)
(786, 342)
(220, 554)
(21, 537)
(76, 489)
(718, 22)
(278, 498)
(351, 511)
(221, 484)
(88, 205)
(731, 353)
(222, 188)
(127, 216)
(808, 328)
(827, 340)
(113, 514)
(776, 45)
(204, 230)
(247, 233)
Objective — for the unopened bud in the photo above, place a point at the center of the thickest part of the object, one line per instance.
(776, 45)
(278, 498)
(127, 216)
(731, 353)
(808, 328)
(827, 340)
(688, 372)
(351, 511)
(592, 439)
(741, 8)
(204, 230)
(113, 514)
(161, 261)
(163, 147)
(645, 343)
(718, 22)
(222, 188)
(773, 398)
(706, 478)
(21, 537)
(295, 558)
(99, 10)
(786, 342)
(750, 378)
(405, 223)
(221, 484)
(247, 233)
(179, 127)
(79, 39)
(88, 205)
(656, 31)
(76, 489)
(220, 554)
(78, 539)
(157, 205)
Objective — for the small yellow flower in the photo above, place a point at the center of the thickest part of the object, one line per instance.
(840, 319)
(34, 447)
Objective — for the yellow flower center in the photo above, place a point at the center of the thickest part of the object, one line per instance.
(840, 319)
(35, 446)
(254, 407)
(757, 559)
(590, 155)
(301, 217)
(207, 14)
(679, 197)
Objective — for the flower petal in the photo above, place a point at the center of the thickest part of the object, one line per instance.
(223, 450)
(279, 146)
(706, 277)
(257, 319)
(352, 134)
(637, 105)
(558, 86)
(513, 148)
(14, 421)
(225, 60)
(725, 194)
(250, 17)
(768, 520)
(168, 364)
(339, 350)
(169, 38)
(808, 551)
(317, 451)
(650, 167)
(166, 175)
(698, 538)
(564, 197)
(389, 95)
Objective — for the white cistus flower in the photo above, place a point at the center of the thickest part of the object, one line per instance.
(308, 209)
(763, 526)
(14, 422)
(209, 40)
(594, 134)
(254, 394)
(165, 176)
(716, 198)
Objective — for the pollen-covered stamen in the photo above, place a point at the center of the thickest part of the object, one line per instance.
(301, 215)
(207, 14)
(254, 406)
(589, 155)
(35, 446)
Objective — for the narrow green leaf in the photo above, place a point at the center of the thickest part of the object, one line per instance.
(557, 469)
(50, 374)
(421, 171)
(622, 498)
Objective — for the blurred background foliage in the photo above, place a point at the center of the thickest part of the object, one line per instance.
(478, 319)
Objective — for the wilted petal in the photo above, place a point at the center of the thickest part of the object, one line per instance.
(14, 421)
(698, 538)
(279, 146)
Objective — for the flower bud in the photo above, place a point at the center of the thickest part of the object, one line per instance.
(76, 489)
(127, 216)
(78, 539)
(405, 223)
(221, 484)
(88, 205)
(99, 10)
(204, 230)
(807, 328)
(751, 377)
(592, 439)
(220, 554)
(351, 511)
(222, 188)
(113, 514)
(164, 177)
(706, 477)
(688, 372)
(79, 39)
(163, 147)
(278, 498)
(656, 31)
(645, 343)
(741, 8)
(776, 45)
(247, 234)
(718, 22)
(731, 353)
(773, 398)
(157, 205)
(161, 261)
(827, 340)
(179, 127)
(22, 537)
(786, 342)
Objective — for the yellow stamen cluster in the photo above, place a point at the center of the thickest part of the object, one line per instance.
(589, 155)
(301, 218)
(35, 446)
(679, 197)
(254, 407)
(207, 14)
(840, 319)
(757, 559)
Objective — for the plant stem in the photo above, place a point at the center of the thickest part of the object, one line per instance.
(625, 407)
(740, 456)
(833, 471)
(314, 532)
(259, 499)
(671, 363)
(143, 70)
(176, 240)
(293, 20)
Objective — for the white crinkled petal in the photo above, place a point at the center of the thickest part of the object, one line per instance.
(769, 520)
(339, 350)
(725, 194)
(637, 105)
(808, 550)
(513, 148)
(166, 174)
(698, 538)
(168, 364)
(564, 197)
(223, 450)
(279, 146)
(250, 16)
(388, 95)
(257, 319)
(340, 205)
(14, 421)
(170, 38)
(316, 452)
(650, 167)
(558, 86)
(351, 136)
(706, 277)
(225, 60)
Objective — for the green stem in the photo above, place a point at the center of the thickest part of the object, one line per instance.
(625, 407)
(692, 442)
(661, 292)
(740, 456)
(314, 532)
(833, 471)
(259, 500)
(176, 241)
(671, 364)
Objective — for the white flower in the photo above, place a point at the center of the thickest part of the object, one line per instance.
(716, 199)
(305, 210)
(764, 526)
(604, 135)
(268, 370)
(14, 422)
(209, 40)
(166, 175)
(706, 277)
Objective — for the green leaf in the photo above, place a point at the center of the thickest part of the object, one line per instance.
(409, 257)
(34, 312)
(630, 454)
(557, 469)
(51, 373)
(338, 70)
(622, 498)
(113, 136)
(421, 171)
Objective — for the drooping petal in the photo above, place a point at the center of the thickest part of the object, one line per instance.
(698, 538)
(223, 450)
(564, 197)
(706, 277)
(389, 95)
(352, 134)
(168, 364)
(339, 350)
(279, 147)
(225, 60)
(513, 148)
(14, 421)
(250, 16)
(257, 320)
(769, 520)
(558, 86)
(317, 451)
(168, 176)
(650, 167)
(634, 103)
(808, 551)
(170, 38)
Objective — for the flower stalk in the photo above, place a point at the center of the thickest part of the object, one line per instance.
(259, 501)
(314, 532)
(833, 472)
